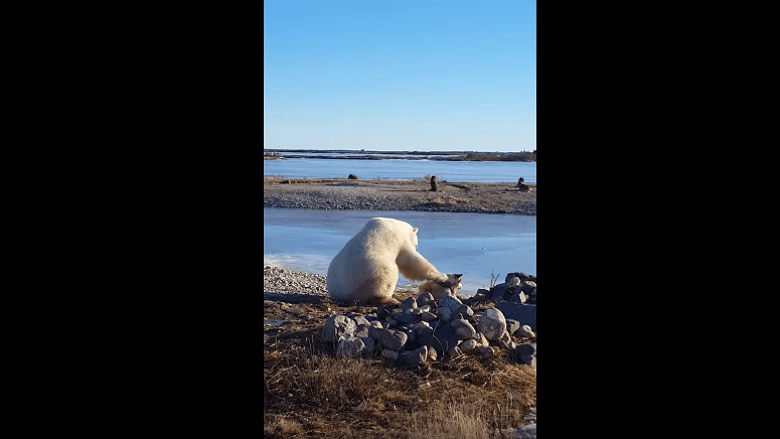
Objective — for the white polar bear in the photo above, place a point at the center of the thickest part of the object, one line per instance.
(366, 269)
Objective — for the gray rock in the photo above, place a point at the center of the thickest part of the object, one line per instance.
(525, 331)
(424, 335)
(468, 345)
(415, 357)
(425, 307)
(487, 351)
(361, 331)
(350, 347)
(522, 276)
(382, 312)
(528, 286)
(445, 314)
(525, 349)
(512, 325)
(392, 339)
(390, 354)
(406, 317)
(338, 327)
(492, 324)
(428, 316)
(481, 340)
(376, 324)
(518, 297)
(497, 294)
(465, 311)
(360, 320)
(482, 293)
(411, 335)
(463, 328)
(444, 337)
(524, 313)
(409, 304)
(369, 342)
(454, 352)
(424, 299)
(450, 302)
(513, 282)
(419, 325)
(418, 311)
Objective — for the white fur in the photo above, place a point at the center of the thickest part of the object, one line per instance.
(367, 268)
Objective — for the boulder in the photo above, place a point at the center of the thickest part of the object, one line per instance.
(350, 347)
(425, 299)
(524, 313)
(492, 324)
(465, 311)
(528, 286)
(512, 325)
(445, 314)
(525, 331)
(468, 345)
(463, 329)
(444, 338)
(497, 293)
(450, 302)
(409, 304)
(392, 339)
(338, 327)
(415, 357)
(390, 354)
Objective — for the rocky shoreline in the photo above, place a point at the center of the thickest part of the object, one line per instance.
(350, 194)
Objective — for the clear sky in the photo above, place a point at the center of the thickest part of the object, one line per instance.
(421, 75)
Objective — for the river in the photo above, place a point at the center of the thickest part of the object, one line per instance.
(399, 169)
(455, 242)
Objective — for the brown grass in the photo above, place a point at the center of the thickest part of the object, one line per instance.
(310, 393)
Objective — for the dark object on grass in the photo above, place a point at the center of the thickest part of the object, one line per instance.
(522, 186)
(353, 177)
(434, 186)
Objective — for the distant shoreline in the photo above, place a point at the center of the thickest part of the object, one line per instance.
(280, 154)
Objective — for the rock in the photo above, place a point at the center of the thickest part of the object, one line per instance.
(369, 342)
(432, 355)
(524, 313)
(338, 327)
(392, 339)
(411, 335)
(463, 329)
(418, 311)
(512, 325)
(528, 286)
(419, 325)
(424, 335)
(390, 354)
(454, 352)
(409, 304)
(407, 317)
(361, 331)
(450, 302)
(382, 312)
(360, 320)
(518, 297)
(415, 357)
(425, 299)
(497, 294)
(522, 277)
(480, 339)
(492, 324)
(465, 311)
(444, 337)
(513, 282)
(445, 314)
(468, 345)
(482, 293)
(525, 331)
(350, 347)
(352, 177)
(487, 351)
(526, 353)
(376, 324)
(428, 316)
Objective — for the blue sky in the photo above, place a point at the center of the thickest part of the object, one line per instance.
(390, 75)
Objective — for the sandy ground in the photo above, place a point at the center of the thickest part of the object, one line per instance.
(340, 194)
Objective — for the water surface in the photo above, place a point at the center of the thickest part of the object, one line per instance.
(474, 244)
(398, 169)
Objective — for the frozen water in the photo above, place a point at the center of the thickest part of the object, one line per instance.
(474, 244)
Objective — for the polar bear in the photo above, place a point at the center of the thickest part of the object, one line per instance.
(366, 269)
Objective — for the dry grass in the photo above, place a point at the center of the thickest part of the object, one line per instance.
(310, 393)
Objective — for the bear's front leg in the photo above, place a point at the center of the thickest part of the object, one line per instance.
(415, 267)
